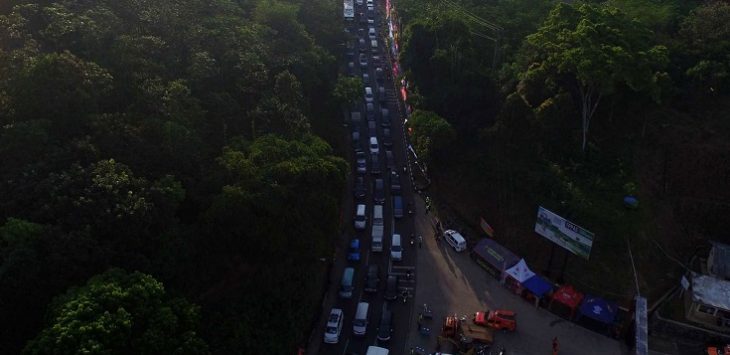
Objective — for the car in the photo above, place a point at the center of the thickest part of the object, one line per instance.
(384, 117)
(371, 33)
(374, 164)
(371, 21)
(385, 327)
(360, 190)
(369, 97)
(361, 162)
(350, 52)
(370, 109)
(374, 146)
(378, 191)
(366, 79)
(455, 239)
(353, 253)
(361, 47)
(376, 60)
(387, 138)
(396, 249)
(356, 139)
(381, 91)
(334, 326)
(394, 183)
(497, 319)
(379, 75)
(391, 288)
(389, 160)
(363, 58)
(351, 69)
(372, 279)
(359, 2)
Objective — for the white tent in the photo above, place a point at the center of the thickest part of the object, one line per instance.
(520, 271)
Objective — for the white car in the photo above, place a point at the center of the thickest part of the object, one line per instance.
(334, 326)
(455, 239)
(369, 97)
(372, 34)
(396, 250)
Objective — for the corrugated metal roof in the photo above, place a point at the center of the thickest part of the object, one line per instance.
(711, 291)
(720, 260)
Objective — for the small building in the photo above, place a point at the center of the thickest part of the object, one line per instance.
(718, 262)
(707, 301)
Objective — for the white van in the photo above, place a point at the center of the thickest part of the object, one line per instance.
(455, 240)
(334, 326)
(396, 250)
(374, 147)
(360, 324)
(360, 218)
(374, 46)
(369, 94)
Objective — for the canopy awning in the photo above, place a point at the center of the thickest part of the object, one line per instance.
(568, 296)
(520, 271)
(537, 286)
(494, 254)
(598, 309)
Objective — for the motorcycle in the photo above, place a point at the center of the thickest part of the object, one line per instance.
(413, 240)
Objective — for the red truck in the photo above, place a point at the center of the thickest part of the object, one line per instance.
(497, 319)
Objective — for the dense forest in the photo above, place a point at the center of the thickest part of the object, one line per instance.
(572, 106)
(164, 185)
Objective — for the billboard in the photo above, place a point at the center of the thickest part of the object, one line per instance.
(564, 233)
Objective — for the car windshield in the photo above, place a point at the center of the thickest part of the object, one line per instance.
(359, 323)
(396, 248)
(331, 330)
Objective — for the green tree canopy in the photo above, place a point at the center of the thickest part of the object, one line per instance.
(431, 134)
(591, 51)
(120, 313)
(348, 90)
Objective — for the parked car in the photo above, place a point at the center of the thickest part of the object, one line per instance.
(353, 253)
(385, 327)
(391, 288)
(372, 279)
(361, 162)
(361, 190)
(334, 326)
(378, 192)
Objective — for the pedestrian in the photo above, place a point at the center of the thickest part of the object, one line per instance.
(420, 241)
(556, 346)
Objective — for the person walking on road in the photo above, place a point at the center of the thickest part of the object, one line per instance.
(420, 241)
(556, 346)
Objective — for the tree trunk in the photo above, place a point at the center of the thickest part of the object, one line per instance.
(588, 108)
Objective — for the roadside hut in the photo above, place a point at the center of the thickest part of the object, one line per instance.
(516, 275)
(565, 301)
(537, 289)
(597, 314)
(493, 257)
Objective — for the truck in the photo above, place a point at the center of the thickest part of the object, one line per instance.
(496, 319)
(376, 350)
(464, 334)
(378, 229)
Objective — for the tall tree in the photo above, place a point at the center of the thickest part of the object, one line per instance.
(591, 51)
(120, 313)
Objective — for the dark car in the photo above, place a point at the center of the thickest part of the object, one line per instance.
(356, 139)
(391, 288)
(372, 279)
(378, 191)
(374, 164)
(351, 69)
(363, 57)
(370, 108)
(384, 117)
(353, 253)
(387, 138)
(361, 189)
(379, 75)
(385, 327)
(389, 160)
(394, 183)
(361, 162)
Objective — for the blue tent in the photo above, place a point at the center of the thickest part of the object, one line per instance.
(598, 309)
(537, 286)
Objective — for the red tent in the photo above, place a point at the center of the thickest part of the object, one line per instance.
(567, 296)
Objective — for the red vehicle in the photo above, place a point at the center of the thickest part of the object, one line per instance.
(497, 319)
(712, 350)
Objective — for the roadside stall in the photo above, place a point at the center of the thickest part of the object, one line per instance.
(516, 275)
(565, 301)
(493, 257)
(597, 314)
(537, 289)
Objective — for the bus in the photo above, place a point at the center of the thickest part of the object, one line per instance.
(349, 10)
